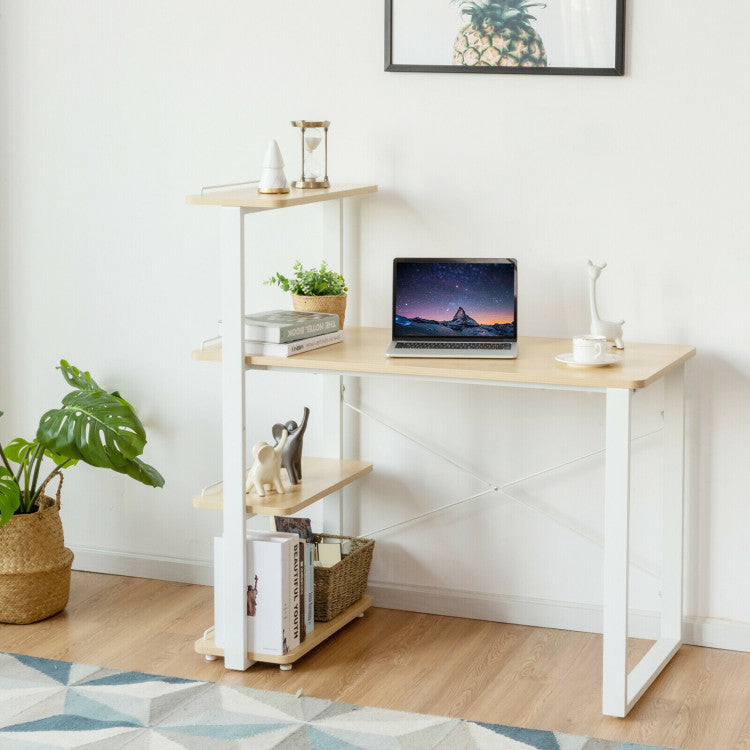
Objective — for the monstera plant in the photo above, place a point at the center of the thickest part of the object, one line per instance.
(92, 425)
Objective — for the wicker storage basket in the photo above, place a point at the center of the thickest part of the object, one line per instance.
(328, 303)
(34, 564)
(343, 584)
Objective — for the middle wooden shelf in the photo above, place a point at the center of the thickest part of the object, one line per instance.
(320, 477)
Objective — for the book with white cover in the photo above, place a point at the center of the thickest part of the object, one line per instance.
(281, 326)
(293, 347)
(268, 597)
(290, 598)
(302, 527)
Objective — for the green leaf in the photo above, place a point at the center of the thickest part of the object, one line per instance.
(141, 471)
(10, 496)
(84, 382)
(95, 427)
(81, 380)
(310, 282)
(18, 450)
(116, 394)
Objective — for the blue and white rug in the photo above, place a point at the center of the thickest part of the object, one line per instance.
(54, 704)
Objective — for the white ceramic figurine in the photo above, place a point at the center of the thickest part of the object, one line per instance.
(599, 327)
(267, 467)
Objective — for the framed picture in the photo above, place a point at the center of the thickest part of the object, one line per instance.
(558, 37)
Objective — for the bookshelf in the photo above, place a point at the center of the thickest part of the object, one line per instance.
(321, 477)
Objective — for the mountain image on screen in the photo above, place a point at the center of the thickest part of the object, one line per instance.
(461, 324)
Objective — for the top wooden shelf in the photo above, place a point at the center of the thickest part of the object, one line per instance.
(249, 197)
(363, 352)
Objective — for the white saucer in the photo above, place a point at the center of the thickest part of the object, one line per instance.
(609, 359)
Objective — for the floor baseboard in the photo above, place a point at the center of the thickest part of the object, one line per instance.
(96, 560)
(545, 613)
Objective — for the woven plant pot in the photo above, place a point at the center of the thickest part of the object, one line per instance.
(34, 564)
(328, 303)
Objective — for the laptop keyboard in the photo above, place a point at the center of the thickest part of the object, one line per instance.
(451, 345)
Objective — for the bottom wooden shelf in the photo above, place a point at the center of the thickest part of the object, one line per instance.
(321, 631)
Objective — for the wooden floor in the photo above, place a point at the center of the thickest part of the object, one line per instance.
(485, 671)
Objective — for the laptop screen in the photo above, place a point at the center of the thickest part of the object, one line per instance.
(443, 298)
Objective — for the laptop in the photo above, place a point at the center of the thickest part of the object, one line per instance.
(454, 307)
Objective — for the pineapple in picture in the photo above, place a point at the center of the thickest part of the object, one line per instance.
(499, 33)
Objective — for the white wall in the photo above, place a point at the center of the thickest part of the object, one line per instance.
(113, 112)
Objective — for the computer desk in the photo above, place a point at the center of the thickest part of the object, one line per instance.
(362, 354)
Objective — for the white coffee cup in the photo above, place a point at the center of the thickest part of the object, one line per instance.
(589, 350)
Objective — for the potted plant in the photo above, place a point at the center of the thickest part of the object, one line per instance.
(93, 426)
(314, 289)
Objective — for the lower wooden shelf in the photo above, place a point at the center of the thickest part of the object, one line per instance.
(321, 631)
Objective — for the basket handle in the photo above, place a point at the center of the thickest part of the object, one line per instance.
(46, 482)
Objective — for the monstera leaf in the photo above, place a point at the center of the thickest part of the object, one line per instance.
(94, 427)
(10, 495)
(80, 380)
(97, 427)
(20, 450)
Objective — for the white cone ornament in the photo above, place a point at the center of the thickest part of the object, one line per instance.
(273, 180)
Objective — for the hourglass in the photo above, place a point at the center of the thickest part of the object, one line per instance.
(314, 166)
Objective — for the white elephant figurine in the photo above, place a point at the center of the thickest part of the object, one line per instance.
(266, 470)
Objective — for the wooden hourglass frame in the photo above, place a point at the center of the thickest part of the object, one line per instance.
(312, 183)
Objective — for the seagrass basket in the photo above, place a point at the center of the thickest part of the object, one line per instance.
(34, 564)
(343, 584)
(328, 303)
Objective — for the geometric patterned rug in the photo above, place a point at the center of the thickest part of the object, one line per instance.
(53, 704)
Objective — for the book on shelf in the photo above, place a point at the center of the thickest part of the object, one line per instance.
(271, 607)
(282, 326)
(328, 554)
(293, 347)
(309, 551)
(297, 582)
(302, 527)
(294, 525)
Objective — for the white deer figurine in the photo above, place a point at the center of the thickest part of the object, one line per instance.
(599, 327)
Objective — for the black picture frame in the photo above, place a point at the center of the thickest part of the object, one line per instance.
(618, 68)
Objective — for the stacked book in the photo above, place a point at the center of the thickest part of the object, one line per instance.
(279, 597)
(282, 333)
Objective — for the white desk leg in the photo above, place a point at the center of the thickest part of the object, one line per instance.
(670, 638)
(674, 479)
(233, 436)
(616, 538)
(620, 690)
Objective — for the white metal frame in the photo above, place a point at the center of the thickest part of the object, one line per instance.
(233, 435)
(232, 241)
(620, 690)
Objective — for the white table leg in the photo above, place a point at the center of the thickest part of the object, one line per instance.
(616, 538)
(620, 690)
(233, 436)
(674, 480)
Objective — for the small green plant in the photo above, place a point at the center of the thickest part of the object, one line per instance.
(92, 425)
(310, 282)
